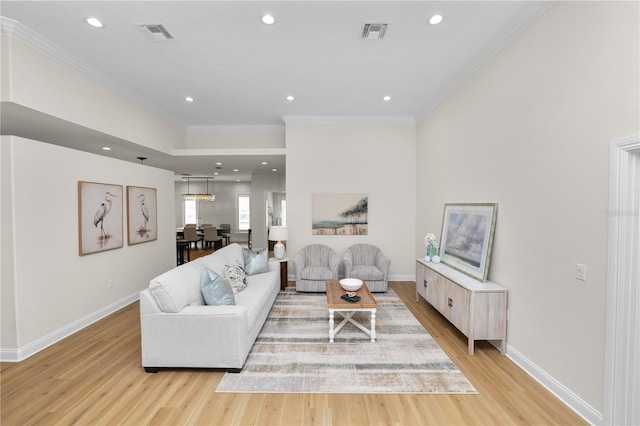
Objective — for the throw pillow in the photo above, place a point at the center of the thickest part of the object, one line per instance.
(236, 276)
(216, 290)
(255, 263)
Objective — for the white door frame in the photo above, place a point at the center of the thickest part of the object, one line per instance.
(622, 345)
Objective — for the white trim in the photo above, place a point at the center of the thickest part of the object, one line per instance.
(240, 128)
(564, 394)
(20, 354)
(622, 343)
(348, 119)
(292, 277)
(182, 152)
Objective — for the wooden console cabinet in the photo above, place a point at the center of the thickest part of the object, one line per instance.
(477, 309)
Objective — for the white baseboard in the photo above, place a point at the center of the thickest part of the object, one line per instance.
(292, 277)
(570, 399)
(402, 278)
(20, 354)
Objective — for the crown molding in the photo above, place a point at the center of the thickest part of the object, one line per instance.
(348, 119)
(17, 31)
(239, 128)
(181, 152)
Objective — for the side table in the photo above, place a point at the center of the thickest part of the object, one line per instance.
(284, 272)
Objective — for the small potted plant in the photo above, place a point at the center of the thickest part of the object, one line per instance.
(432, 248)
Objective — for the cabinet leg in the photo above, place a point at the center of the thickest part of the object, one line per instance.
(471, 347)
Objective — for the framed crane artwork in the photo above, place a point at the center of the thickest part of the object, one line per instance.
(142, 222)
(99, 217)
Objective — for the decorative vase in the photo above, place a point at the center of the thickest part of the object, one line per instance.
(427, 259)
(435, 259)
(431, 250)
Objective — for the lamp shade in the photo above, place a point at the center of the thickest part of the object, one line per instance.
(278, 233)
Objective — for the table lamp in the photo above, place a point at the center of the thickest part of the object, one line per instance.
(279, 234)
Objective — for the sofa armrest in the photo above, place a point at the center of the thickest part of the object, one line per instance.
(197, 336)
(348, 263)
(298, 262)
(383, 263)
(334, 263)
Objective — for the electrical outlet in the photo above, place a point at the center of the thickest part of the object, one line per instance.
(581, 272)
(110, 283)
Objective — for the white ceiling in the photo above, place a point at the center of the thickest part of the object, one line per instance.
(239, 70)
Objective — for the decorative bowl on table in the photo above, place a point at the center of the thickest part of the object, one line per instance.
(350, 284)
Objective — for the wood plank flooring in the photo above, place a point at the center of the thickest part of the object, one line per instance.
(94, 377)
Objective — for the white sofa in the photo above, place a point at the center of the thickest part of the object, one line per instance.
(179, 330)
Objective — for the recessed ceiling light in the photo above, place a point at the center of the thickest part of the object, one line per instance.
(268, 19)
(274, 170)
(236, 170)
(264, 163)
(218, 164)
(435, 19)
(189, 99)
(216, 173)
(290, 98)
(94, 22)
(106, 148)
(237, 180)
(387, 98)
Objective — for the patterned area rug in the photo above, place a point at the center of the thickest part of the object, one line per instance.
(292, 353)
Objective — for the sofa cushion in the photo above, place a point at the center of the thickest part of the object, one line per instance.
(236, 276)
(216, 290)
(255, 263)
(215, 262)
(178, 287)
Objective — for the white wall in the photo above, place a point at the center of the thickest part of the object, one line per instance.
(377, 159)
(530, 130)
(34, 80)
(225, 210)
(222, 210)
(243, 137)
(261, 185)
(53, 287)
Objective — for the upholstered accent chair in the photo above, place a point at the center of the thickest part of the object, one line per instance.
(211, 237)
(368, 263)
(315, 264)
(191, 234)
(224, 230)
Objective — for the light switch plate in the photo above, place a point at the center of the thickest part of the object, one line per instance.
(581, 272)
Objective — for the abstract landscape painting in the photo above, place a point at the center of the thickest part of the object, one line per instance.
(339, 214)
(467, 236)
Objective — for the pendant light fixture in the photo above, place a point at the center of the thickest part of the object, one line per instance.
(198, 197)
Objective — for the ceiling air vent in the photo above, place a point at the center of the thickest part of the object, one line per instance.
(373, 31)
(157, 32)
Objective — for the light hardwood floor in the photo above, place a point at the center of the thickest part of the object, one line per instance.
(94, 377)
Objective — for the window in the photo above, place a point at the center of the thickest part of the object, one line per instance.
(244, 218)
(190, 212)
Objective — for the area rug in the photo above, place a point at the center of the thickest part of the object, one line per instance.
(292, 353)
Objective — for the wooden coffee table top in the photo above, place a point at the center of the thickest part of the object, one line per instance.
(334, 291)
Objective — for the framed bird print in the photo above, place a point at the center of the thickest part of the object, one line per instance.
(99, 217)
(142, 222)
